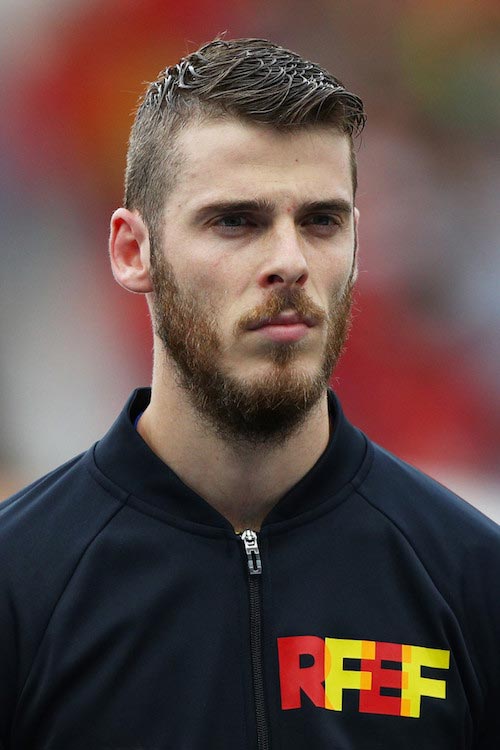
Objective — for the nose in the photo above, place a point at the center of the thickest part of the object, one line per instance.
(285, 263)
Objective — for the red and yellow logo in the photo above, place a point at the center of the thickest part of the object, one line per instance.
(389, 680)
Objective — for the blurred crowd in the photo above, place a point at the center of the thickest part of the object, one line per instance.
(422, 371)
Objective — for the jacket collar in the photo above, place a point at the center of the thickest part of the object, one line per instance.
(128, 462)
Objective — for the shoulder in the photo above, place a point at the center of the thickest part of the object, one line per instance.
(45, 530)
(422, 507)
(67, 500)
(456, 544)
(45, 527)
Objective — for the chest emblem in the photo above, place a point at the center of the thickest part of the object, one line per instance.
(392, 678)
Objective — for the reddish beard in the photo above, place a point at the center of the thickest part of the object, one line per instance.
(260, 411)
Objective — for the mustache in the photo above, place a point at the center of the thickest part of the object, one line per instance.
(292, 298)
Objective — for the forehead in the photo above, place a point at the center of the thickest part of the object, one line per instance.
(228, 160)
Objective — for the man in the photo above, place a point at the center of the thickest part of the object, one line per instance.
(234, 565)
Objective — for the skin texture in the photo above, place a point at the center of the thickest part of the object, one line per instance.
(259, 224)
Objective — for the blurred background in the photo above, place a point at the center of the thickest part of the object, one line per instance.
(422, 370)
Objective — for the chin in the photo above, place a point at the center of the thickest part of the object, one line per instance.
(269, 406)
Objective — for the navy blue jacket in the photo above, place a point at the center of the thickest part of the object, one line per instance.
(364, 615)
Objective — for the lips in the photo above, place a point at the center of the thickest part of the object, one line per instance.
(283, 319)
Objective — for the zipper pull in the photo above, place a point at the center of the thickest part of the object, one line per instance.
(249, 538)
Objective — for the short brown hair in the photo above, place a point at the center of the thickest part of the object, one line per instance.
(252, 80)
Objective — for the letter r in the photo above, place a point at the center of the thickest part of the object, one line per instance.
(295, 677)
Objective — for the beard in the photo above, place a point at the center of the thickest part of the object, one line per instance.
(251, 411)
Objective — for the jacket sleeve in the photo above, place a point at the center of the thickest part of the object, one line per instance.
(482, 597)
(8, 660)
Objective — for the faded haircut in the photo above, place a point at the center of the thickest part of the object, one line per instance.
(252, 80)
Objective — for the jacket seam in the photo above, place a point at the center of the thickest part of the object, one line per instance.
(56, 603)
(98, 476)
(431, 577)
(137, 504)
(331, 503)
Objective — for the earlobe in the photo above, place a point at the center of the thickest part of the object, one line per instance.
(129, 251)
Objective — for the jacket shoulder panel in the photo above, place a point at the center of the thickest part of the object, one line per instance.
(458, 546)
(44, 531)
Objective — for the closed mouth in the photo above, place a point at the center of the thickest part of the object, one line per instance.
(283, 319)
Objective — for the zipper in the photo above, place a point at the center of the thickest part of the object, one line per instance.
(254, 564)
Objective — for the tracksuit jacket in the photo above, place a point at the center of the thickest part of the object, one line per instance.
(365, 615)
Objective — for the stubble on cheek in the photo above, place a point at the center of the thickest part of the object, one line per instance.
(187, 330)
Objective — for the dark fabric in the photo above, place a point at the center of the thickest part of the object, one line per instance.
(125, 621)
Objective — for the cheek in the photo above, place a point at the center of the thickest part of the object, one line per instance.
(331, 279)
(224, 283)
(206, 273)
(345, 268)
(209, 296)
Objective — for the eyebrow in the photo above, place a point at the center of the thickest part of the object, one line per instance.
(333, 205)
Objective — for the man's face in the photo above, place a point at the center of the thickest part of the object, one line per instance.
(253, 272)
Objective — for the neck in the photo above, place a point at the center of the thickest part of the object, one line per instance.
(241, 481)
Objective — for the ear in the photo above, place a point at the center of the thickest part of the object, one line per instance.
(129, 251)
(354, 271)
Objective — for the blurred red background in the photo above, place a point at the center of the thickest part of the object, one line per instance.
(422, 370)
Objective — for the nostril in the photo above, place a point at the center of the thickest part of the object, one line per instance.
(275, 279)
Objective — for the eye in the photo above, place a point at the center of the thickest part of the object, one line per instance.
(232, 224)
(232, 221)
(324, 224)
(323, 220)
